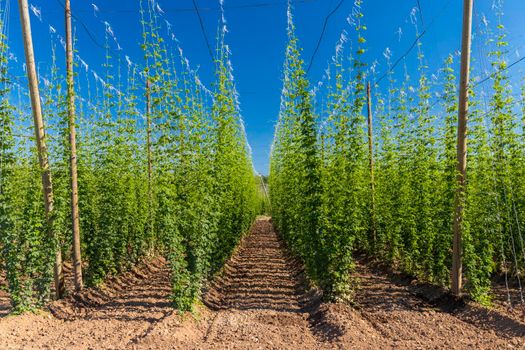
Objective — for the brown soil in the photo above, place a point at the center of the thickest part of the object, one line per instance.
(508, 300)
(410, 317)
(111, 317)
(261, 301)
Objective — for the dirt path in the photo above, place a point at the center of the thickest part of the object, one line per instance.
(261, 299)
(259, 276)
(260, 302)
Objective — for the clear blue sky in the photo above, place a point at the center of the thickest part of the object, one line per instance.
(257, 38)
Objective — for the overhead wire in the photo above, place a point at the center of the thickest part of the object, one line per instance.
(420, 13)
(325, 24)
(397, 34)
(89, 33)
(493, 74)
(231, 7)
(203, 30)
(391, 67)
(416, 40)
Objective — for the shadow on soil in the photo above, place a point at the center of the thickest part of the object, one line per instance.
(141, 294)
(439, 298)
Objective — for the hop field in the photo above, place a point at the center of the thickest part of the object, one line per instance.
(132, 215)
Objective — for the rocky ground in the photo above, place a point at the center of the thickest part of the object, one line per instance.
(261, 301)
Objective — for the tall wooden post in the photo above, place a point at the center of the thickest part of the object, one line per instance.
(371, 161)
(36, 108)
(265, 190)
(148, 117)
(456, 274)
(75, 220)
(150, 161)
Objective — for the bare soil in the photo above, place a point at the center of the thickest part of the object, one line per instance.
(261, 301)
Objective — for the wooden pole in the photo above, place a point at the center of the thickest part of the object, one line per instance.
(75, 220)
(371, 161)
(456, 274)
(150, 161)
(148, 116)
(266, 192)
(36, 108)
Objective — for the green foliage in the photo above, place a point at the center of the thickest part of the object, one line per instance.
(495, 241)
(345, 175)
(200, 200)
(205, 190)
(415, 170)
(27, 253)
(295, 165)
(318, 191)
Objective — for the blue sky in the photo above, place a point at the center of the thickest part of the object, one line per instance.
(257, 38)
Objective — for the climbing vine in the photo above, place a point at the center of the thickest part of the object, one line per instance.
(192, 207)
(406, 219)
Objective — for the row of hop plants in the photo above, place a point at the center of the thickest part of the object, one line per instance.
(194, 206)
(328, 206)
